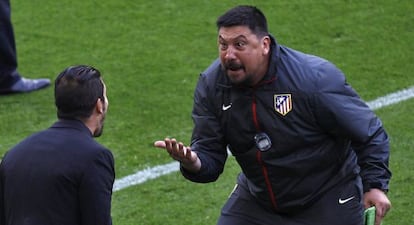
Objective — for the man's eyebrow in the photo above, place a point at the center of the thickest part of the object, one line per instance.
(237, 37)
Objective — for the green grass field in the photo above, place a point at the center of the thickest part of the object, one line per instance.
(150, 54)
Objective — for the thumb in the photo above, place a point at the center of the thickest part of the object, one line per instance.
(159, 144)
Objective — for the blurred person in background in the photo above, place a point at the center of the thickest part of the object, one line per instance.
(10, 79)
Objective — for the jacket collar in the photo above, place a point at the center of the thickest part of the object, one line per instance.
(273, 60)
(72, 124)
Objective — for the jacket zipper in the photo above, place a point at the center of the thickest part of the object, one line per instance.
(259, 157)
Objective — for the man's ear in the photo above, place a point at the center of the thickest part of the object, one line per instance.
(266, 44)
(100, 106)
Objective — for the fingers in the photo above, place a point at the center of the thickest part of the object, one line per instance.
(188, 154)
(377, 198)
(378, 219)
(175, 149)
(179, 152)
(381, 211)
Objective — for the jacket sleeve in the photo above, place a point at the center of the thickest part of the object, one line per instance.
(342, 113)
(207, 138)
(95, 191)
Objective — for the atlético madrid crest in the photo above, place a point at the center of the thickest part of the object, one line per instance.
(283, 103)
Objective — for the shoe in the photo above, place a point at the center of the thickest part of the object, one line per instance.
(26, 85)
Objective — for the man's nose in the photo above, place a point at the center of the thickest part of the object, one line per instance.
(230, 53)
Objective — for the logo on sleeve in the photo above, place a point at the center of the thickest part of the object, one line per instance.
(283, 103)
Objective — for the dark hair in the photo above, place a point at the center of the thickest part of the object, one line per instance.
(77, 89)
(245, 15)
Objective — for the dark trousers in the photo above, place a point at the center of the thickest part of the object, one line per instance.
(340, 206)
(8, 57)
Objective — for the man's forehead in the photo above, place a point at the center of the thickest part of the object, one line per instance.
(234, 32)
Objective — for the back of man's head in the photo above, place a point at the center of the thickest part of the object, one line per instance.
(77, 89)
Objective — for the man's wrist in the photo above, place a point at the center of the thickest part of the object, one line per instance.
(192, 167)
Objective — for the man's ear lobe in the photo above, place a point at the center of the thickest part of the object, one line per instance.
(99, 105)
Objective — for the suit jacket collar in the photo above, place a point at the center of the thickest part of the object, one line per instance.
(73, 124)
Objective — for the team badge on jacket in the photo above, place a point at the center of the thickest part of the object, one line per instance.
(283, 103)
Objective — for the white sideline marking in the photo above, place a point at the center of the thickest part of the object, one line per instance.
(392, 98)
(160, 170)
(145, 175)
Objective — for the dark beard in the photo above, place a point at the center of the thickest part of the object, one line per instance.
(98, 132)
(234, 66)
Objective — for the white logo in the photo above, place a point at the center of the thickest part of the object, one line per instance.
(343, 201)
(226, 107)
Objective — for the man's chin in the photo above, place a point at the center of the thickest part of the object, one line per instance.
(98, 132)
(236, 77)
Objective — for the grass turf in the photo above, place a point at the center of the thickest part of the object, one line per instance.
(150, 54)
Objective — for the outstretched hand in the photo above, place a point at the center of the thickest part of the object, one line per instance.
(377, 198)
(188, 159)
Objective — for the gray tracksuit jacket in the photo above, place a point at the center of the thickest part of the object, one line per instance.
(321, 131)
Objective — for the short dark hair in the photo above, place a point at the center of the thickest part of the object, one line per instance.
(77, 88)
(245, 15)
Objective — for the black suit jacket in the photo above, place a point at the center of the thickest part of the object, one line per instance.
(57, 176)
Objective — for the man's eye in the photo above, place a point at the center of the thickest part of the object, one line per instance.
(240, 44)
(223, 46)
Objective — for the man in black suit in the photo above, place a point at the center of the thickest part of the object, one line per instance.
(62, 175)
(10, 80)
